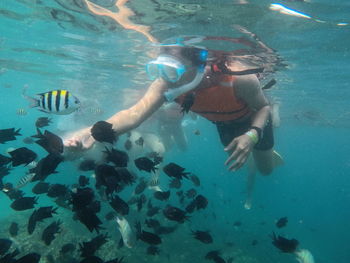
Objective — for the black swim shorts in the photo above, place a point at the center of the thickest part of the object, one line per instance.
(230, 130)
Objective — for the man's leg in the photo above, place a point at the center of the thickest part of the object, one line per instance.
(250, 183)
(264, 161)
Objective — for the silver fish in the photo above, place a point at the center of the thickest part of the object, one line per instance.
(128, 236)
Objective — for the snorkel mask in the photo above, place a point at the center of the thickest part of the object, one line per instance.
(171, 69)
(166, 67)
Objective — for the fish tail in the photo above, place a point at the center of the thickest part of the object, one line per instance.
(17, 132)
(34, 102)
(138, 229)
(38, 134)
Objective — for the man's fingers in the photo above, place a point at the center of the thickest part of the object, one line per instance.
(233, 156)
(238, 163)
(231, 146)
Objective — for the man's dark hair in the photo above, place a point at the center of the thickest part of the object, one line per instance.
(191, 53)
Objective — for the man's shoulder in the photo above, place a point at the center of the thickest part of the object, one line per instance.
(246, 84)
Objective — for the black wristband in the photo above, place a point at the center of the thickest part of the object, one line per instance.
(258, 131)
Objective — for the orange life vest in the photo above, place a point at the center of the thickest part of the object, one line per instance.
(218, 102)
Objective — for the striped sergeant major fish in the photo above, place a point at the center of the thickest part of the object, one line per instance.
(26, 179)
(60, 102)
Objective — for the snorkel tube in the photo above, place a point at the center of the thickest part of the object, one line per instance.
(172, 94)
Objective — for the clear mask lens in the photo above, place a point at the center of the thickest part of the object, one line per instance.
(165, 67)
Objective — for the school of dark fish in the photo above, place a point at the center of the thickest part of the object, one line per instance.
(87, 196)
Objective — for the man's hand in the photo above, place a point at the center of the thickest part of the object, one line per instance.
(76, 143)
(240, 148)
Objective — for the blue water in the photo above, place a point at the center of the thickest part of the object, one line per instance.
(103, 64)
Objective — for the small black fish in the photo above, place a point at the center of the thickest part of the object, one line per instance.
(146, 236)
(10, 257)
(215, 256)
(5, 245)
(119, 205)
(82, 198)
(67, 248)
(125, 176)
(89, 248)
(195, 180)
(201, 202)
(284, 244)
(282, 222)
(4, 160)
(95, 206)
(43, 122)
(162, 195)
(50, 142)
(254, 242)
(119, 158)
(46, 166)
(152, 210)
(89, 218)
(128, 145)
(176, 171)
(49, 233)
(4, 170)
(175, 214)
(110, 216)
(237, 223)
(87, 165)
(38, 216)
(57, 190)
(203, 236)
(28, 140)
(24, 203)
(165, 230)
(175, 183)
(9, 134)
(12, 192)
(13, 230)
(22, 156)
(29, 258)
(102, 131)
(83, 181)
(45, 212)
(108, 176)
(153, 250)
(140, 141)
(63, 201)
(191, 193)
(145, 164)
(31, 223)
(191, 206)
(141, 186)
(41, 188)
